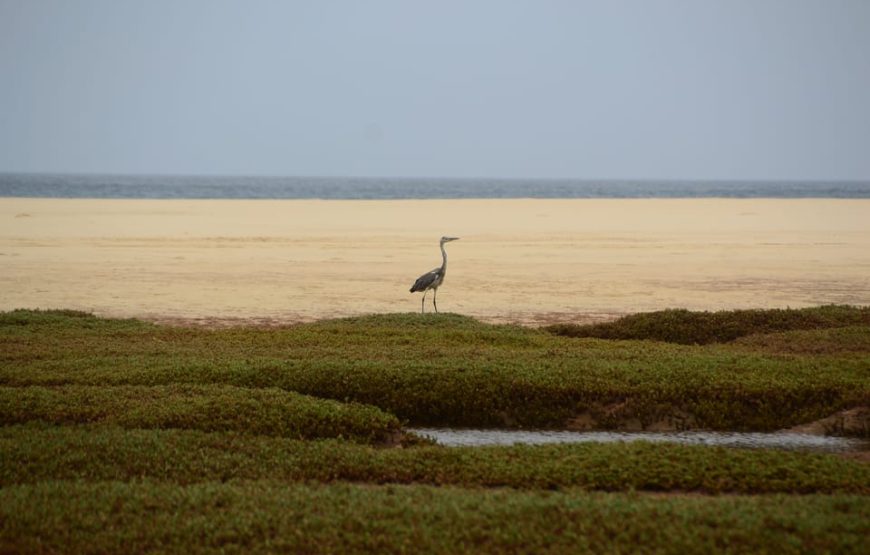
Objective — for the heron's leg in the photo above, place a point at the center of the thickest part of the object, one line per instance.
(423, 303)
(435, 299)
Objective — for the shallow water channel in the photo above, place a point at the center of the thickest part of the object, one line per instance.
(771, 440)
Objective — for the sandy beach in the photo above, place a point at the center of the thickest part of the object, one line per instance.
(526, 261)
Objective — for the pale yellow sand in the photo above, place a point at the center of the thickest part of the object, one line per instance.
(528, 261)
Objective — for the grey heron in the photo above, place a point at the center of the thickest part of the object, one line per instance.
(433, 280)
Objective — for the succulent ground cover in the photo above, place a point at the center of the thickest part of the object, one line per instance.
(688, 327)
(187, 456)
(246, 517)
(120, 435)
(452, 370)
(213, 408)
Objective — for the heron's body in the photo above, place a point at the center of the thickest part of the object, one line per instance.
(432, 280)
(429, 280)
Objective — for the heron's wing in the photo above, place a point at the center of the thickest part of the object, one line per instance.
(423, 282)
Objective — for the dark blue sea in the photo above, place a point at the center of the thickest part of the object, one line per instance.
(237, 187)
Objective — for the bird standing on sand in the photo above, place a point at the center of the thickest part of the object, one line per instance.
(432, 280)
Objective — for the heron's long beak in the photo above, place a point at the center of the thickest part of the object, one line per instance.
(451, 238)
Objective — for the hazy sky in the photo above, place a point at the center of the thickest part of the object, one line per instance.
(726, 89)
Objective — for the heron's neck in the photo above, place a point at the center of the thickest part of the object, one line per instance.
(444, 256)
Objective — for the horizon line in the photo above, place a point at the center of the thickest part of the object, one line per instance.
(446, 177)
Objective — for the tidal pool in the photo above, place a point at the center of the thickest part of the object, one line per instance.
(772, 440)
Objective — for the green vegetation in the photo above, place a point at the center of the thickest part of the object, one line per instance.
(853, 340)
(242, 517)
(451, 370)
(124, 436)
(271, 412)
(180, 456)
(701, 328)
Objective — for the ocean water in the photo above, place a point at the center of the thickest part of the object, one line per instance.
(240, 187)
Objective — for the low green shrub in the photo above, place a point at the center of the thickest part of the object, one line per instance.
(701, 328)
(34, 453)
(255, 517)
(451, 370)
(272, 412)
(848, 341)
